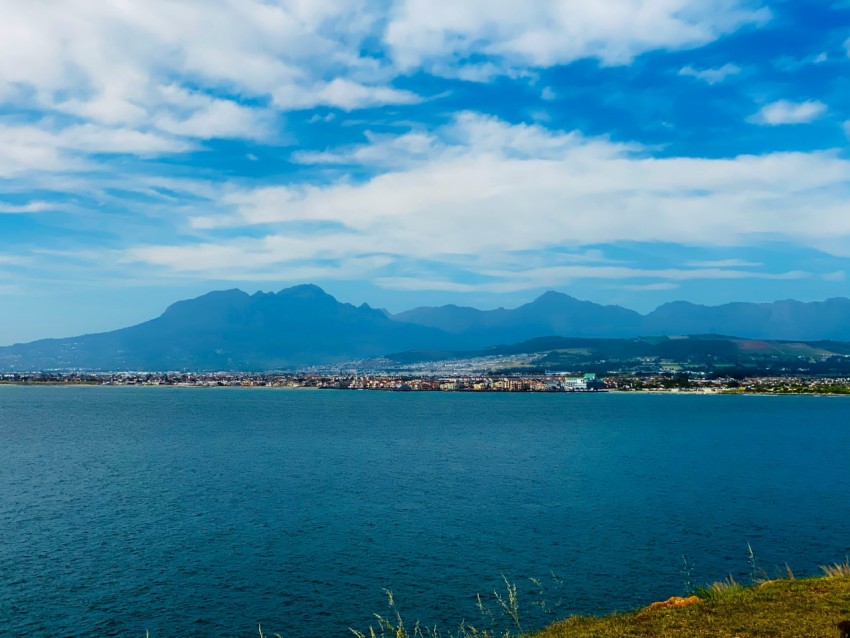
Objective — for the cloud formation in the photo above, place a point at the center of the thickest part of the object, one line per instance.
(712, 75)
(24, 209)
(785, 112)
(540, 33)
(455, 146)
(119, 63)
(152, 64)
(481, 186)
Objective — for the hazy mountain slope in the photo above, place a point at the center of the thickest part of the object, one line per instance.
(303, 325)
(552, 313)
(233, 330)
(558, 314)
(788, 319)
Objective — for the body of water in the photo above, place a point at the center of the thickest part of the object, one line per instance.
(205, 512)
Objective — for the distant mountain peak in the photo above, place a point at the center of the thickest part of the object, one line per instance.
(214, 298)
(303, 289)
(554, 297)
(303, 324)
(554, 294)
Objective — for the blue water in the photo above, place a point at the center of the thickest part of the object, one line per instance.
(205, 512)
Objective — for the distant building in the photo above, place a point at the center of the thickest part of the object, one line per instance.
(586, 383)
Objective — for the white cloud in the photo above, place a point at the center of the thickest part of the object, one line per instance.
(94, 139)
(250, 45)
(536, 33)
(27, 148)
(43, 147)
(344, 94)
(724, 263)
(419, 284)
(383, 150)
(261, 259)
(477, 193)
(663, 285)
(328, 117)
(13, 260)
(532, 186)
(795, 64)
(785, 112)
(537, 277)
(196, 115)
(160, 77)
(119, 63)
(24, 209)
(512, 281)
(711, 76)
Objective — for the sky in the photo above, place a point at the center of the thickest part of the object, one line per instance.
(418, 152)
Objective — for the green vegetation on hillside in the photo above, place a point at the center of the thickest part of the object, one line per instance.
(710, 355)
(808, 608)
(781, 608)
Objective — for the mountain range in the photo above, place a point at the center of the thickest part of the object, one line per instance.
(555, 313)
(303, 325)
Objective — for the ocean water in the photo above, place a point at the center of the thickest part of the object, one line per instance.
(191, 512)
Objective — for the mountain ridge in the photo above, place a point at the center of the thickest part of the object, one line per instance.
(304, 325)
(784, 319)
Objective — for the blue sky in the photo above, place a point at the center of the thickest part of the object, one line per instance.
(412, 152)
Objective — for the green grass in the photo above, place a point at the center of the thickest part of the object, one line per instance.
(806, 608)
(781, 608)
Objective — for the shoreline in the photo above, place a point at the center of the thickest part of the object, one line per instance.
(201, 386)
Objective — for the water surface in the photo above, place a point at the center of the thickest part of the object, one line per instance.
(195, 512)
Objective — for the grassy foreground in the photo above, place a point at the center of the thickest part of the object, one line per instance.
(806, 608)
(781, 608)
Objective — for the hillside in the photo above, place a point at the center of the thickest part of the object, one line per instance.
(231, 330)
(555, 313)
(808, 608)
(552, 313)
(701, 353)
(303, 326)
(781, 608)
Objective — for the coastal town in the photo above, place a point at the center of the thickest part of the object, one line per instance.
(554, 382)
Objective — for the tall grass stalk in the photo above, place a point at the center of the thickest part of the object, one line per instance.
(757, 574)
(395, 627)
(509, 605)
(687, 575)
(262, 635)
(837, 570)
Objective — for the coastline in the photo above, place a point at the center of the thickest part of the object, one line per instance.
(201, 386)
